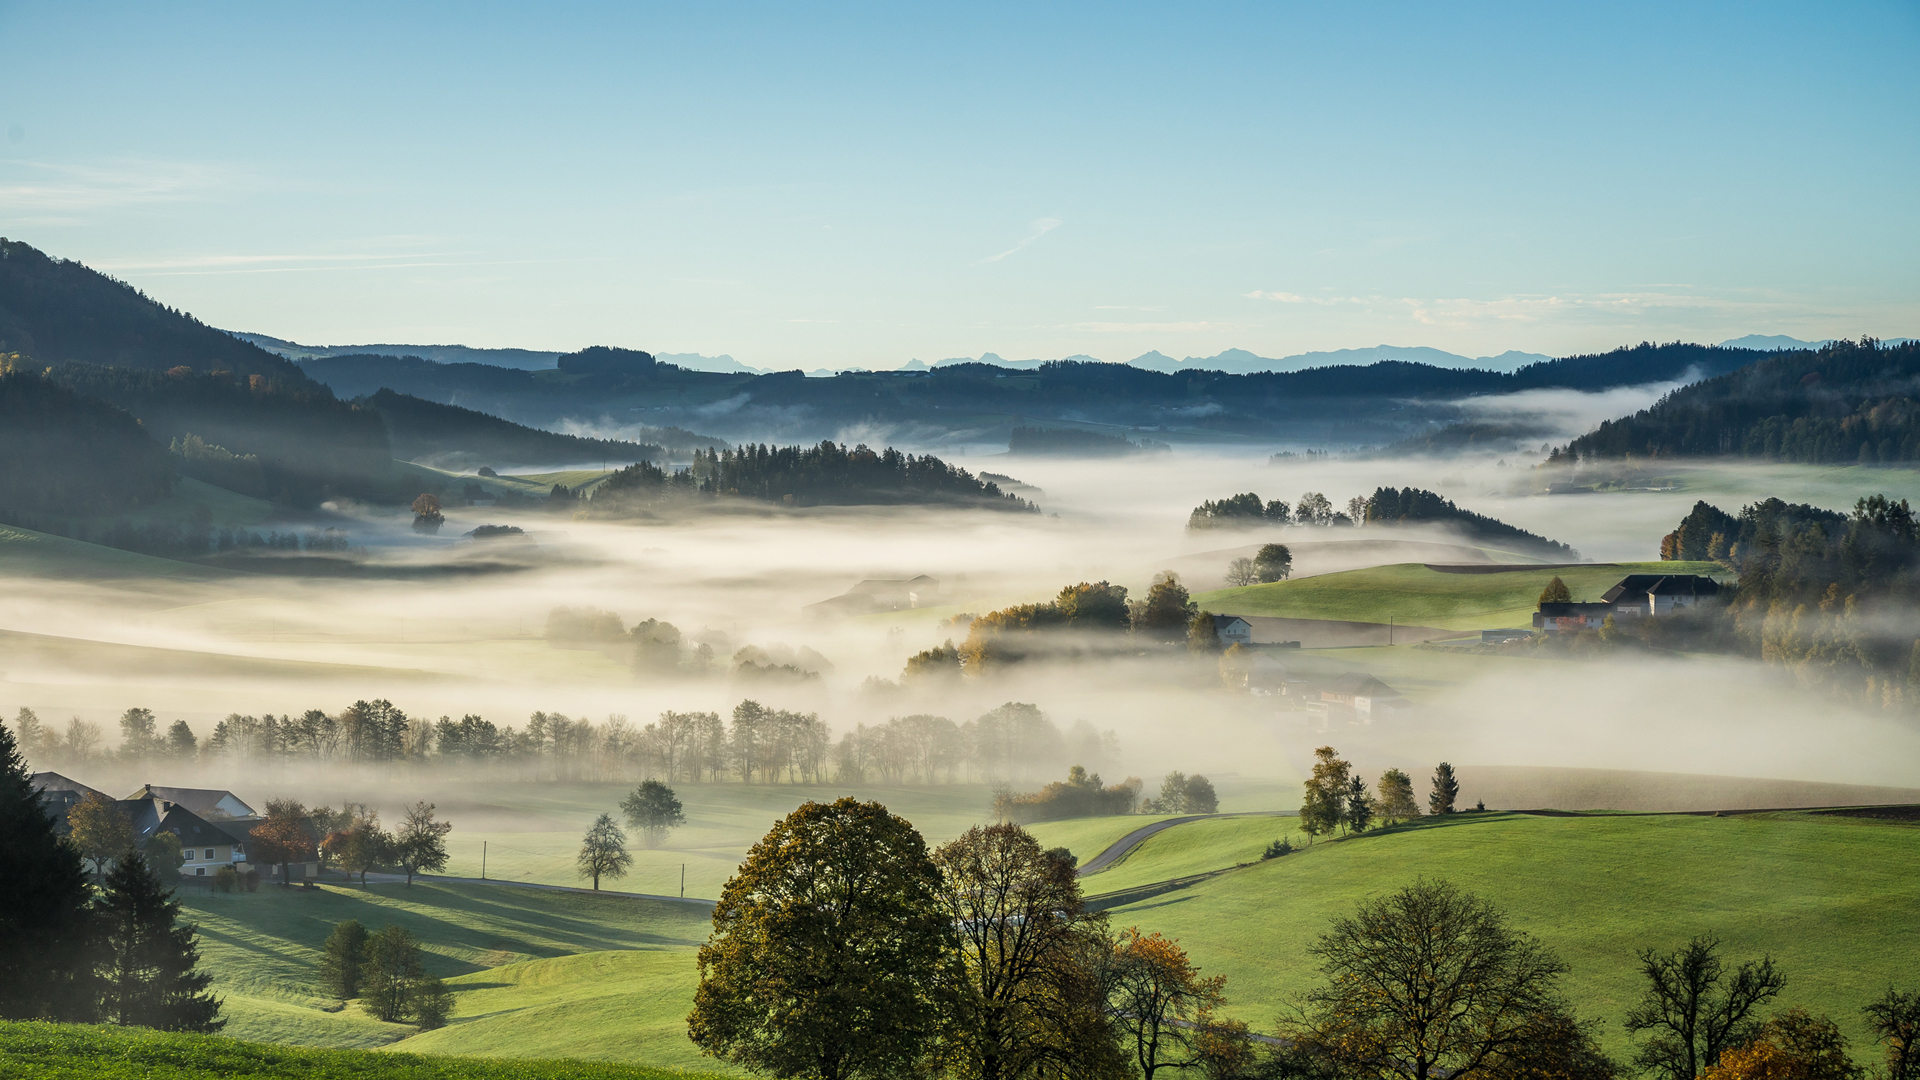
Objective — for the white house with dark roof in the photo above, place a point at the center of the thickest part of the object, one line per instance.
(1233, 630)
(210, 803)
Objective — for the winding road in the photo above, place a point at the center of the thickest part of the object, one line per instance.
(1119, 848)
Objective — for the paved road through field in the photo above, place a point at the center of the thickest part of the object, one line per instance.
(1119, 848)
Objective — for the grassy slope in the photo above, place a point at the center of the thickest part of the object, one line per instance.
(1087, 837)
(1410, 593)
(1194, 848)
(1831, 899)
(264, 948)
(33, 1051)
(26, 553)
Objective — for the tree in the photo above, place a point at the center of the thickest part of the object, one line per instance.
(604, 852)
(421, 843)
(1431, 981)
(654, 810)
(827, 951)
(1202, 635)
(284, 838)
(1313, 509)
(181, 744)
(1446, 789)
(82, 741)
(1093, 606)
(165, 854)
(1359, 815)
(1556, 592)
(1274, 562)
(45, 971)
(1029, 1000)
(1695, 1012)
(427, 517)
(1895, 1019)
(362, 847)
(98, 828)
(392, 978)
(148, 964)
(343, 958)
(1166, 611)
(137, 734)
(1241, 572)
(1173, 794)
(1166, 1011)
(1793, 1045)
(1357, 510)
(1324, 807)
(32, 739)
(1396, 798)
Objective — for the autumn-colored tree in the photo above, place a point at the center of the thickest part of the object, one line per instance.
(1093, 606)
(284, 838)
(1324, 808)
(828, 950)
(427, 517)
(1794, 1045)
(1202, 635)
(1029, 998)
(1167, 1012)
(1396, 802)
(1556, 592)
(1895, 1017)
(361, 847)
(1166, 611)
(1694, 1009)
(99, 830)
(1431, 981)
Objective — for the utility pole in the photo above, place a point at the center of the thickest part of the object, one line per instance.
(1389, 629)
(683, 881)
(483, 860)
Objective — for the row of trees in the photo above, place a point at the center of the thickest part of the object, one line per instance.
(1273, 562)
(1337, 798)
(827, 474)
(67, 952)
(652, 809)
(385, 970)
(1249, 510)
(755, 744)
(1088, 617)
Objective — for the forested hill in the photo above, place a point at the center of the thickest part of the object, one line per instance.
(1376, 402)
(67, 455)
(451, 435)
(58, 311)
(1847, 402)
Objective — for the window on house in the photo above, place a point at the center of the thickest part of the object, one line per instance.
(209, 853)
(199, 871)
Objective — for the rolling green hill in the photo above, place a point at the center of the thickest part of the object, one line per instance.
(99, 1052)
(1410, 593)
(1196, 847)
(1830, 898)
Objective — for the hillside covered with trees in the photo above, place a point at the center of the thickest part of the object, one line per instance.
(69, 455)
(1410, 506)
(421, 429)
(829, 474)
(1847, 402)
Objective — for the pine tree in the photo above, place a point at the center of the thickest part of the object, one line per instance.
(44, 970)
(1446, 788)
(1359, 815)
(147, 962)
(1556, 592)
(346, 954)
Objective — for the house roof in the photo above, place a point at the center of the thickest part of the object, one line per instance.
(44, 782)
(1638, 585)
(204, 802)
(1222, 622)
(152, 816)
(1359, 682)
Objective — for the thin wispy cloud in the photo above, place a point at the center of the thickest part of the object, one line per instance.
(1040, 228)
(43, 186)
(1144, 327)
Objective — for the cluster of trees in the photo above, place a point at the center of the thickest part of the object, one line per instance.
(828, 474)
(67, 952)
(652, 809)
(1080, 795)
(1273, 562)
(69, 455)
(1338, 800)
(755, 744)
(1248, 510)
(1183, 794)
(1822, 594)
(845, 949)
(1089, 615)
(1846, 403)
(1405, 506)
(385, 970)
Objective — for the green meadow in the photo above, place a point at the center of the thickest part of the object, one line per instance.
(1410, 593)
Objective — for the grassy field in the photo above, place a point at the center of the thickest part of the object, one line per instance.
(1194, 848)
(1831, 899)
(264, 948)
(1087, 837)
(34, 1051)
(1410, 593)
(26, 553)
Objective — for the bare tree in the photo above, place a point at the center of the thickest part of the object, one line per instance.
(1694, 1010)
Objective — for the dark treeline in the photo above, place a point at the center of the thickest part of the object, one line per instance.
(1398, 506)
(755, 744)
(1847, 402)
(828, 474)
(70, 455)
(1075, 442)
(58, 311)
(1247, 510)
(419, 429)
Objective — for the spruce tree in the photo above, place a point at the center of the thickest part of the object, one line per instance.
(345, 955)
(1446, 788)
(147, 961)
(45, 972)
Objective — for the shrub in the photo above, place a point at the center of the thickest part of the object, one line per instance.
(226, 879)
(252, 880)
(1277, 849)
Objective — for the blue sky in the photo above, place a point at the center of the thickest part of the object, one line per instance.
(855, 186)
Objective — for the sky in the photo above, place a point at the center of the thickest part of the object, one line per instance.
(845, 185)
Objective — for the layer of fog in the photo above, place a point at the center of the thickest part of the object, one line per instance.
(470, 642)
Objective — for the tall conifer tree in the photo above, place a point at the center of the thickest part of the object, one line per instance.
(44, 966)
(148, 963)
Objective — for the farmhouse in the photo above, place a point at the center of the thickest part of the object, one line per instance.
(1233, 630)
(1555, 617)
(1636, 596)
(1360, 692)
(210, 803)
(207, 846)
(59, 794)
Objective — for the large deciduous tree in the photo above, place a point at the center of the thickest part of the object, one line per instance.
(284, 838)
(45, 970)
(362, 847)
(828, 951)
(653, 809)
(1273, 562)
(1695, 1009)
(1165, 613)
(1030, 998)
(603, 853)
(99, 829)
(1431, 981)
(148, 964)
(1167, 1011)
(1324, 807)
(1895, 1018)
(1397, 803)
(421, 843)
